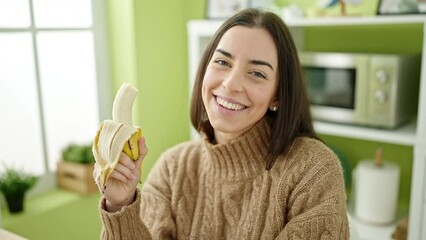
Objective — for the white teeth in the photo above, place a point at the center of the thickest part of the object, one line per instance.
(228, 105)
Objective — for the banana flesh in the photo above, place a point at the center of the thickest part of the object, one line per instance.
(116, 135)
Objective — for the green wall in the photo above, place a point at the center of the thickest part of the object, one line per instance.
(148, 45)
(163, 71)
(403, 38)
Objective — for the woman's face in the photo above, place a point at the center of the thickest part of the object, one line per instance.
(240, 81)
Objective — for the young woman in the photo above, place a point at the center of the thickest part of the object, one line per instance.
(258, 170)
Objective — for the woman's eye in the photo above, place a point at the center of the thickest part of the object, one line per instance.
(222, 62)
(258, 74)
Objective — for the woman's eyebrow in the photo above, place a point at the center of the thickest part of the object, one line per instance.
(227, 54)
(255, 62)
(260, 62)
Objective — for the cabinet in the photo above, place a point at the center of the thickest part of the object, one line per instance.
(412, 134)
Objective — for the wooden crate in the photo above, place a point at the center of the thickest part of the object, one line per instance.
(76, 177)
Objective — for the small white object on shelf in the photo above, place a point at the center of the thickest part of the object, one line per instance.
(365, 231)
(376, 186)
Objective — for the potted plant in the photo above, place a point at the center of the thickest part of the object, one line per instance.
(14, 184)
(75, 169)
(78, 154)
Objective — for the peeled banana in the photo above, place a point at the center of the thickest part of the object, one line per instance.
(116, 135)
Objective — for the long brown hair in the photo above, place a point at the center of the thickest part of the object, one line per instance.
(293, 118)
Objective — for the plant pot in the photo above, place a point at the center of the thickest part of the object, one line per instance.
(15, 202)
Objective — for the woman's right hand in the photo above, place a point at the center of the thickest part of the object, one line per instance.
(120, 188)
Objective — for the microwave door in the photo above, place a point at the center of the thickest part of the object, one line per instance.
(337, 86)
(332, 92)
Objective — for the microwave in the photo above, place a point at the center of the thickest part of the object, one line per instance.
(377, 90)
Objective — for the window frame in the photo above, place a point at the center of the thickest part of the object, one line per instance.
(103, 78)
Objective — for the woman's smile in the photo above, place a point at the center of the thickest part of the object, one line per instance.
(228, 106)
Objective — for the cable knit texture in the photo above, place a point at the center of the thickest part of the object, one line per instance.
(198, 190)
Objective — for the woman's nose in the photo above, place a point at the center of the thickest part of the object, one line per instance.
(233, 81)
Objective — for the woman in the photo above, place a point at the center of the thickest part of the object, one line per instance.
(258, 171)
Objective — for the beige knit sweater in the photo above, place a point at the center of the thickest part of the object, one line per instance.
(202, 191)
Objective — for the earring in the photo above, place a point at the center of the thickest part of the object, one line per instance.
(274, 108)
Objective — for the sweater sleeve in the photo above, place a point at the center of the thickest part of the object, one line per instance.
(317, 205)
(149, 217)
(125, 224)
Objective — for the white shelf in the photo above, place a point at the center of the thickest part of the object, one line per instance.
(404, 135)
(346, 21)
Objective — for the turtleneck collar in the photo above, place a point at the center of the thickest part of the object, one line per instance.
(240, 158)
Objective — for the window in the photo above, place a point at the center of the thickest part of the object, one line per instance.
(52, 63)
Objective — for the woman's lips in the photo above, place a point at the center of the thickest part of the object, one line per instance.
(228, 106)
